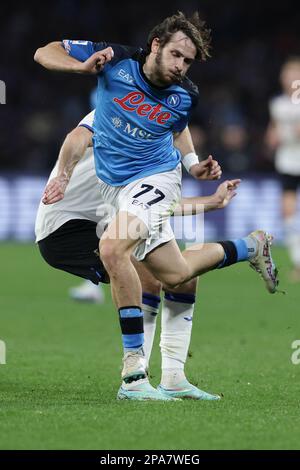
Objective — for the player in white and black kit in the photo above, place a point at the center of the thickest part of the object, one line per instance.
(66, 230)
(68, 239)
(284, 137)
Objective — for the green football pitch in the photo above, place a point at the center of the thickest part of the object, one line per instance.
(58, 386)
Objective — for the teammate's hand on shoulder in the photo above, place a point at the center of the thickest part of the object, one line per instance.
(55, 190)
(96, 62)
(208, 169)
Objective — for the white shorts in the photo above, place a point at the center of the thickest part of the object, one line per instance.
(152, 199)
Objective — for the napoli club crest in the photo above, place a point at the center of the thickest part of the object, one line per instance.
(173, 100)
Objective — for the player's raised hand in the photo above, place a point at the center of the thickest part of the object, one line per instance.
(55, 190)
(208, 169)
(225, 192)
(96, 62)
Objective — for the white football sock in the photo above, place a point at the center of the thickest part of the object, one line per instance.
(150, 307)
(176, 329)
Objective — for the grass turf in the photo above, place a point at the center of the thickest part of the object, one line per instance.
(58, 388)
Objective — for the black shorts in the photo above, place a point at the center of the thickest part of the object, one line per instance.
(289, 182)
(74, 248)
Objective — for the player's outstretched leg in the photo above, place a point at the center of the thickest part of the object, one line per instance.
(255, 248)
(174, 268)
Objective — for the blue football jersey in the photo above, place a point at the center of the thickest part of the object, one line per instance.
(134, 120)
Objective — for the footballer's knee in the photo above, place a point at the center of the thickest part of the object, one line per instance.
(112, 253)
(174, 280)
(185, 288)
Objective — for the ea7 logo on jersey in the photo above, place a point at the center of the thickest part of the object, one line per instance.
(135, 101)
(126, 76)
(173, 100)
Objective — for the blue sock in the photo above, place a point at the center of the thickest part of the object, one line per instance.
(238, 250)
(132, 327)
(241, 249)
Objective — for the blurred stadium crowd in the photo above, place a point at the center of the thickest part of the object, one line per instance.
(250, 42)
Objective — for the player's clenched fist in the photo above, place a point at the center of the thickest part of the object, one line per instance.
(208, 169)
(96, 62)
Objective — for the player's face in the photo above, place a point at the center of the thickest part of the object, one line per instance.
(174, 59)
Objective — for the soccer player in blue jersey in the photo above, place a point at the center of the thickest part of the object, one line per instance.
(144, 99)
(68, 228)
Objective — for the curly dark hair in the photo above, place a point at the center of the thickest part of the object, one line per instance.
(193, 27)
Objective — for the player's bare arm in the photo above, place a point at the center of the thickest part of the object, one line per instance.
(208, 169)
(72, 150)
(183, 142)
(219, 200)
(53, 56)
